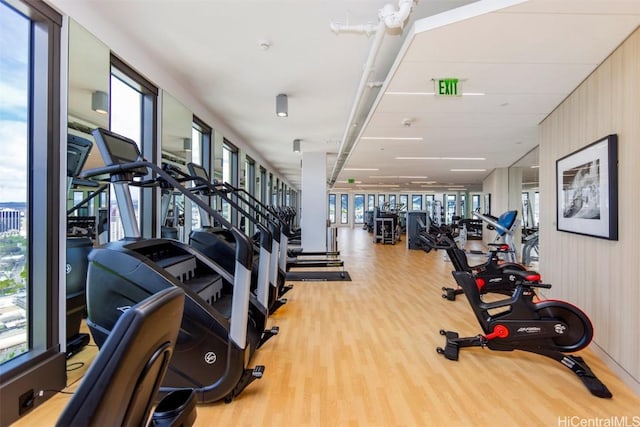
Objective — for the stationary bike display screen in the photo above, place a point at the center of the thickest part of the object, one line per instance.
(117, 149)
(77, 154)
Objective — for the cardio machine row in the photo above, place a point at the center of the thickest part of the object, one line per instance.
(231, 282)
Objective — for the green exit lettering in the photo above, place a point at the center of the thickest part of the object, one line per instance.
(447, 87)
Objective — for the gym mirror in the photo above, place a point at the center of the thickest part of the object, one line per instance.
(177, 142)
(525, 182)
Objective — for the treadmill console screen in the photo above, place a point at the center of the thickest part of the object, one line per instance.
(118, 149)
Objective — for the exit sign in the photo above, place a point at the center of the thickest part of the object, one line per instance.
(448, 87)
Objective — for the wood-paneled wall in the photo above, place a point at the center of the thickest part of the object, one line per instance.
(599, 275)
(362, 353)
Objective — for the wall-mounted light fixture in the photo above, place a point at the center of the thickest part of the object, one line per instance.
(282, 105)
(296, 145)
(100, 102)
(186, 144)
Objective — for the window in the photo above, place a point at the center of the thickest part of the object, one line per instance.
(132, 114)
(269, 194)
(230, 175)
(344, 209)
(463, 200)
(536, 209)
(416, 202)
(263, 185)
(526, 208)
(29, 203)
(475, 203)
(250, 186)
(250, 170)
(332, 208)
(200, 149)
(14, 197)
(404, 201)
(381, 201)
(371, 202)
(274, 196)
(358, 208)
(451, 208)
(392, 202)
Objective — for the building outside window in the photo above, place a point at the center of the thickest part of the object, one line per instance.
(358, 208)
(344, 209)
(416, 202)
(332, 208)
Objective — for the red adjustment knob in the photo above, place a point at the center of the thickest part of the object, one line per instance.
(480, 283)
(499, 331)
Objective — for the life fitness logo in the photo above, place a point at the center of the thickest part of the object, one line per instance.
(210, 358)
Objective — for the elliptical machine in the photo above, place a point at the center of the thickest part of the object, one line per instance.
(218, 335)
(549, 328)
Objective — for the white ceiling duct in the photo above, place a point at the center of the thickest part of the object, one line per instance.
(390, 18)
(395, 18)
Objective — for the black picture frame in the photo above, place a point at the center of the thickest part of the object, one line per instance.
(587, 190)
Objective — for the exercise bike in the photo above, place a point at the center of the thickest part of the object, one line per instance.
(491, 276)
(549, 328)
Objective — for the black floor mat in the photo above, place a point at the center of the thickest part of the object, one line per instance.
(318, 276)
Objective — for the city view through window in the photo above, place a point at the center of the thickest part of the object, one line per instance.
(14, 82)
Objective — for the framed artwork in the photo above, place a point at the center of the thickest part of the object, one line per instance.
(587, 190)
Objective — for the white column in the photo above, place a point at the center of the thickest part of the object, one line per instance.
(313, 218)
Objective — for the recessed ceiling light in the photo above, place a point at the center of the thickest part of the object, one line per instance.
(394, 138)
(413, 177)
(361, 169)
(467, 170)
(440, 158)
(378, 185)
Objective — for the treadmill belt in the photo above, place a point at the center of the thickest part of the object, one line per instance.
(318, 276)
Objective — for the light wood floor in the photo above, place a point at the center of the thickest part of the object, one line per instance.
(362, 353)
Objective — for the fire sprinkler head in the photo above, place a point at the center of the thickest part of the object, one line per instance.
(264, 44)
